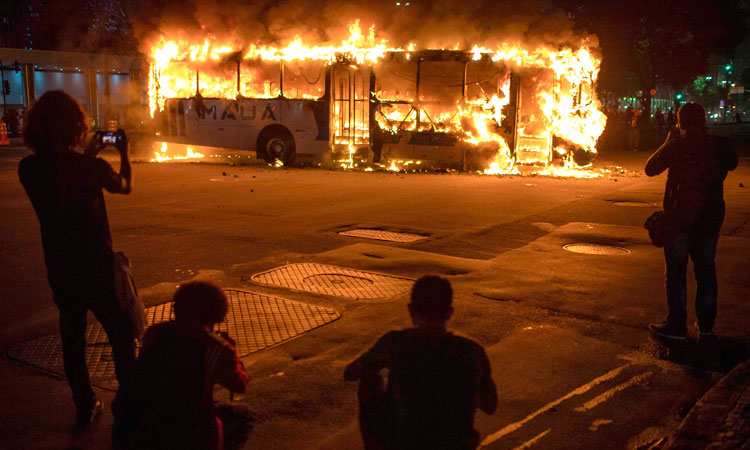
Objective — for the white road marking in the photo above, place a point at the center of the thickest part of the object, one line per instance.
(532, 441)
(599, 399)
(598, 423)
(578, 391)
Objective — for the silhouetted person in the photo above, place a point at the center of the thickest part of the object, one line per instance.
(634, 130)
(698, 163)
(436, 380)
(65, 189)
(170, 405)
(670, 120)
(738, 116)
(11, 119)
(660, 124)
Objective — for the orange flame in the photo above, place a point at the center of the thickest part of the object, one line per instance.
(569, 108)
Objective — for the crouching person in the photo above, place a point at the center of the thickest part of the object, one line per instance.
(170, 405)
(436, 380)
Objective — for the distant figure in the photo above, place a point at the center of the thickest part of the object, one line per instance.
(698, 163)
(737, 116)
(21, 118)
(170, 405)
(670, 120)
(436, 380)
(634, 135)
(660, 123)
(608, 138)
(65, 188)
(11, 121)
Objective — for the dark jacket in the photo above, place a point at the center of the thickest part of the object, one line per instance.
(694, 195)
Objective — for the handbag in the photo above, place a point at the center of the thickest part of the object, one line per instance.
(659, 229)
(127, 294)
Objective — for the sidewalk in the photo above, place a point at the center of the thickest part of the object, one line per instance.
(721, 419)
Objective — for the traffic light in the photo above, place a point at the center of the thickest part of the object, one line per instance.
(6, 87)
(678, 96)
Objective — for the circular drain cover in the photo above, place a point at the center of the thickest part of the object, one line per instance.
(337, 280)
(632, 203)
(596, 249)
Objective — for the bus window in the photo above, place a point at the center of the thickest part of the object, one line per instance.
(178, 80)
(395, 87)
(440, 91)
(304, 79)
(260, 79)
(217, 79)
(485, 79)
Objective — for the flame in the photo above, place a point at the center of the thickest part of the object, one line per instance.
(161, 155)
(567, 106)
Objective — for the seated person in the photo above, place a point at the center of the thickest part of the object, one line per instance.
(436, 380)
(171, 404)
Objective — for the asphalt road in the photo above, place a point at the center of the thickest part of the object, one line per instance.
(565, 332)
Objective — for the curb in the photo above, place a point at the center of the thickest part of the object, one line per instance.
(721, 418)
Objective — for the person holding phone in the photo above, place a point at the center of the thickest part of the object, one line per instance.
(171, 404)
(697, 164)
(65, 188)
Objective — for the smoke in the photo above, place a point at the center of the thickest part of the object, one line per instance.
(426, 23)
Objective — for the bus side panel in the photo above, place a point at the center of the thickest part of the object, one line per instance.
(236, 124)
(308, 126)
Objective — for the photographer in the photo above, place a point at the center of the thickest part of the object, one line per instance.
(65, 188)
(171, 405)
(697, 164)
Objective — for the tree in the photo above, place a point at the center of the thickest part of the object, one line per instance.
(657, 42)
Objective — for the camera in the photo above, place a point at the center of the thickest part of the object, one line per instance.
(112, 137)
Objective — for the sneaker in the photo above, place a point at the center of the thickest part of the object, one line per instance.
(666, 332)
(85, 417)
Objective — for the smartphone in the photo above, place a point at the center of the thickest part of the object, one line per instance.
(109, 138)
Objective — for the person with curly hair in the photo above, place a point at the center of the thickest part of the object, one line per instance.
(171, 405)
(65, 189)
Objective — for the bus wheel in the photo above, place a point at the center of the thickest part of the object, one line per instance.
(278, 145)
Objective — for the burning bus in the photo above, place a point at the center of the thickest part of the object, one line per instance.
(362, 103)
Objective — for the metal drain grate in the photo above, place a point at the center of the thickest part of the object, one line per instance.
(596, 249)
(336, 281)
(254, 321)
(381, 235)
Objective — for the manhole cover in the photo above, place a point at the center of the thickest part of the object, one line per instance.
(336, 281)
(596, 249)
(254, 321)
(632, 203)
(381, 235)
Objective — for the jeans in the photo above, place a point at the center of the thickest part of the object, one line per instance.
(702, 251)
(75, 294)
